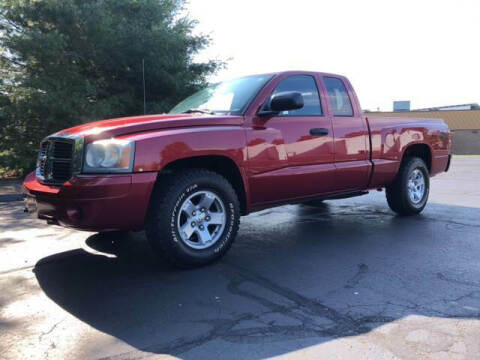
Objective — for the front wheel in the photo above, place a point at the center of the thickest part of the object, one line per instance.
(408, 194)
(194, 217)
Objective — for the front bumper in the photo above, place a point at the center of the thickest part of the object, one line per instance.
(94, 203)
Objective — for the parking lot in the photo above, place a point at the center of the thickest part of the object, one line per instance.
(345, 280)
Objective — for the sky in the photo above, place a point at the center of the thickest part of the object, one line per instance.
(425, 51)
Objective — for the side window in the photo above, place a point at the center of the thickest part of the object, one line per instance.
(304, 84)
(338, 97)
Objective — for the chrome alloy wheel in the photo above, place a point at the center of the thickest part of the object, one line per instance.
(416, 186)
(201, 220)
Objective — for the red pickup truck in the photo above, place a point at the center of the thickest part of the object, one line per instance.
(234, 147)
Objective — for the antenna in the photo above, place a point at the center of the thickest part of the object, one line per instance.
(144, 94)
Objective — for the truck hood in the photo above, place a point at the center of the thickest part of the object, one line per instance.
(134, 124)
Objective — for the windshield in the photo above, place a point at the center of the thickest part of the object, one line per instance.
(228, 97)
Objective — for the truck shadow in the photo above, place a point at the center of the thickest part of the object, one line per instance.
(295, 273)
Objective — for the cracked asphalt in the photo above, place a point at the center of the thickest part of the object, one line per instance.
(347, 280)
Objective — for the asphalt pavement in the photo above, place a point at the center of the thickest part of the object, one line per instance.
(346, 280)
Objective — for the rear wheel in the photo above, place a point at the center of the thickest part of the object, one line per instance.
(408, 194)
(194, 217)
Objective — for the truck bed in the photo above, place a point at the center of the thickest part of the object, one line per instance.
(390, 135)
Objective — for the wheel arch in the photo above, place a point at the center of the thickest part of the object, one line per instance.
(420, 150)
(220, 164)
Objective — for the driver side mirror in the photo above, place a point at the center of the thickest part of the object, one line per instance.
(285, 101)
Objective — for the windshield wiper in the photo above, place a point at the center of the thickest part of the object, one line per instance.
(201, 111)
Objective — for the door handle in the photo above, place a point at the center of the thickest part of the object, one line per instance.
(319, 132)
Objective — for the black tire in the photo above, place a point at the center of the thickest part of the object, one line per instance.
(165, 204)
(397, 192)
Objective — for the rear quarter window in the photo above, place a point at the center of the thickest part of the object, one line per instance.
(338, 97)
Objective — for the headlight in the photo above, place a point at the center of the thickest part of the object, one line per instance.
(111, 155)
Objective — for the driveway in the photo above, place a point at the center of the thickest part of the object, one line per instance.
(348, 279)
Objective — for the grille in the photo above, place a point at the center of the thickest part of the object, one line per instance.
(62, 171)
(54, 164)
(62, 150)
(42, 159)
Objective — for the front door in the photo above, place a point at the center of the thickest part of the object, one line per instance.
(296, 147)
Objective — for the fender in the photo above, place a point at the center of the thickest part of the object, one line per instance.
(157, 149)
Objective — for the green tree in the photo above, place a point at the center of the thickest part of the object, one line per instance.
(65, 62)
